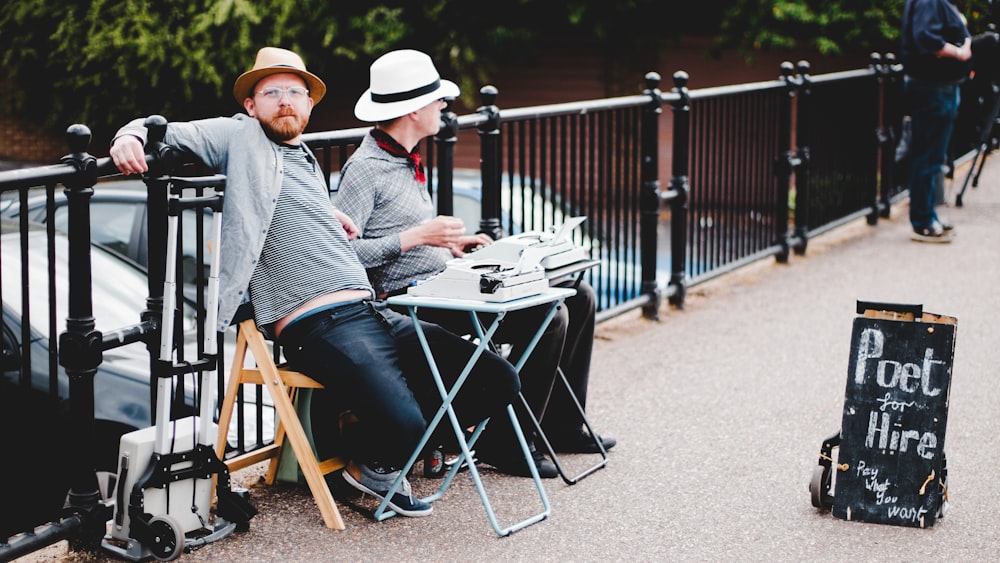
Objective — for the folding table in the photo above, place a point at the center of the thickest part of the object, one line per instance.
(551, 296)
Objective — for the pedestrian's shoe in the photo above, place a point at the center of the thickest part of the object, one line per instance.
(515, 464)
(936, 233)
(945, 226)
(377, 481)
(580, 442)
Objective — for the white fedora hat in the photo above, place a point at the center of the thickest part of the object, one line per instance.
(401, 82)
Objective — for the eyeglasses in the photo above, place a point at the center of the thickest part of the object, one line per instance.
(295, 93)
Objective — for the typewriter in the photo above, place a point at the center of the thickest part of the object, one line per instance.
(556, 246)
(483, 280)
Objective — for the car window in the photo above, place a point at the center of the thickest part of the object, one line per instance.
(119, 293)
(189, 244)
(110, 224)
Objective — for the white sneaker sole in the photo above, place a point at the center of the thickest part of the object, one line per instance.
(945, 238)
(357, 485)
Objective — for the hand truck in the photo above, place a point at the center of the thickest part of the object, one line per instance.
(166, 472)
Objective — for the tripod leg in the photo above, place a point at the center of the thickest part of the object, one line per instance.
(988, 148)
(982, 148)
(968, 176)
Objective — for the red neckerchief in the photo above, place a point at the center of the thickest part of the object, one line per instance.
(392, 147)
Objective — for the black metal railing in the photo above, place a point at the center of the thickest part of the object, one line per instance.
(64, 328)
(754, 171)
(53, 311)
(733, 214)
(842, 113)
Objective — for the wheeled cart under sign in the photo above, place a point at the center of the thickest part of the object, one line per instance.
(890, 467)
(163, 495)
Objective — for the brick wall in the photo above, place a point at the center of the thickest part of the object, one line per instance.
(23, 143)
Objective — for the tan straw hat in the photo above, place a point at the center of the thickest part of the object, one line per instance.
(272, 60)
(402, 81)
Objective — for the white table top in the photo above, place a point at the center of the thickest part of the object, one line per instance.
(547, 296)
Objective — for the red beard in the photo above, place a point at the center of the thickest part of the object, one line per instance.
(281, 129)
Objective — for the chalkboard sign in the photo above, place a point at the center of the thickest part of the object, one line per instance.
(891, 464)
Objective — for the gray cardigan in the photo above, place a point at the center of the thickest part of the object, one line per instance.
(237, 147)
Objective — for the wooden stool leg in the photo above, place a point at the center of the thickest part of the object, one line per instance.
(289, 426)
(295, 434)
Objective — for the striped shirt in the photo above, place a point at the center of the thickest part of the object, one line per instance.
(306, 253)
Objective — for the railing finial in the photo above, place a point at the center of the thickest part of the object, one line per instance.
(78, 138)
(652, 80)
(681, 79)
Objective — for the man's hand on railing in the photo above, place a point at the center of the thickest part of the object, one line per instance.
(129, 155)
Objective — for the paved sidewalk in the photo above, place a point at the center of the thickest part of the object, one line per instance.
(720, 410)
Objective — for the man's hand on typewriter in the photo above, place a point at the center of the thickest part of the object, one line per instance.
(470, 243)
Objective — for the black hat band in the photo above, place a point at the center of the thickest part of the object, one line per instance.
(408, 95)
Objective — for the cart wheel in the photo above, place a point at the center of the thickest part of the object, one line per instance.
(168, 540)
(819, 487)
(943, 509)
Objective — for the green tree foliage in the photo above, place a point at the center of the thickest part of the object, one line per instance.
(101, 62)
(832, 27)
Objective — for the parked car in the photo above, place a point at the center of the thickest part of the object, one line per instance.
(33, 419)
(118, 222)
(121, 385)
(118, 219)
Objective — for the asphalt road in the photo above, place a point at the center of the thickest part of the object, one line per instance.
(720, 410)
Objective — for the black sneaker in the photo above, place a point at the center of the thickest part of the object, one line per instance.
(514, 464)
(936, 233)
(402, 501)
(580, 442)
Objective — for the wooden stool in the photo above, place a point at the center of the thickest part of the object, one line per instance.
(282, 385)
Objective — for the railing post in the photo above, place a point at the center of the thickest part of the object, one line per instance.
(80, 347)
(160, 159)
(649, 195)
(784, 165)
(679, 189)
(895, 120)
(445, 140)
(886, 71)
(802, 193)
(490, 163)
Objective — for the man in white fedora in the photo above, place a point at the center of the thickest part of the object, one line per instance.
(383, 189)
(286, 250)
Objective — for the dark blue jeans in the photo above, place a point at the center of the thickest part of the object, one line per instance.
(933, 108)
(370, 359)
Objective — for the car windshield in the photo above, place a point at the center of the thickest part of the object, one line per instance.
(119, 288)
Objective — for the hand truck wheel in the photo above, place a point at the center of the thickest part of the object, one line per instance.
(819, 487)
(168, 539)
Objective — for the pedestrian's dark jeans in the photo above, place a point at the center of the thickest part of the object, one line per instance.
(370, 358)
(933, 109)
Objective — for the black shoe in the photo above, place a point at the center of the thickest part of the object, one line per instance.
(514, 464)
(581, 443)
(546, 469)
